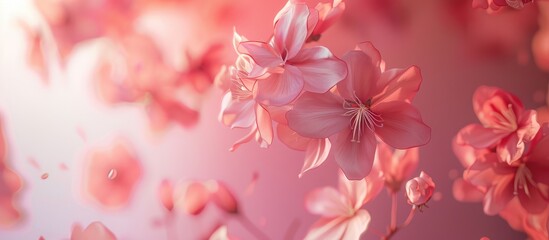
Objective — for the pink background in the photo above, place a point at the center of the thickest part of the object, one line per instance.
(41, 121)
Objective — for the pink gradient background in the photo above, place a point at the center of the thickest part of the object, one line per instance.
(41, 121)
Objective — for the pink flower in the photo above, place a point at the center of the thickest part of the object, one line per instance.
(506, 125)
(10, 185)
(316, 150)
(328, 13)
(525, 180)
(239, 109)
(202, 69)
(193, 196)
(371, 102)
(341, 210)
(111, 174)
(94, 231)
(396, 165)
(290, 68)
(419, 190)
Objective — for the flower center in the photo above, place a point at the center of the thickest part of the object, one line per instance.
(523, 177)
(505, 120)
(361, 117)
(112, 174)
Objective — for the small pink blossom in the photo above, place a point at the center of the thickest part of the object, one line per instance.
(341, 210)
(505, 124)
(290, 68)
(111, 174)
(94, 231)
(371, 103)
(396, 165)
(419, 190)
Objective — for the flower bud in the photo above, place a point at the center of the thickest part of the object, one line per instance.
(420, 189)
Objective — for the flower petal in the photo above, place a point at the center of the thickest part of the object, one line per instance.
(327, 202)
(191, 197)
(318, 115)
(262, 54)
(363, 71)
(466, 192)
(316, 153)
(403, 126)
(236, 113)
(327, 228)
(280, 88)
(355, 191)
(499, 195)
(264, 124)
(321, 70)
(290, 31)
(355, 158)
(292, 139)
(357, 225)
(489, 102)
(479, 137)
(398, 85)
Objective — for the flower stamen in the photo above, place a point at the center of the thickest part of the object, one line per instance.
(361, 115)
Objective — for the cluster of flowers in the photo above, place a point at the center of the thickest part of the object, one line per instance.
(506, 161)
(352, 107)
(131, 67)
(317, 99)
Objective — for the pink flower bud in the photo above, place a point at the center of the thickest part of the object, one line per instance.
(420, 189)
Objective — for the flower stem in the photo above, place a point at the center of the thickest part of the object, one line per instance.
(409, 218)
(251, 227)
(393, 211)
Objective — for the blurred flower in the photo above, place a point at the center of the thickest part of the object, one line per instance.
(419, 190)
(371, 102)
(341, 210)
(192, 197)
(396, 165)
(525, 180)
(111, 174)
(74, 21)
(535, 225)
(540, 42)
(94, 231)
(201, 72)
(506, 125)
(10, 184)
(36, 58)
(133, 70)
(291, 68)
(328, 13)
(165, 193)
(316, 149)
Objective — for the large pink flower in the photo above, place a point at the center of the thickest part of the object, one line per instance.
(94, 231)
(341, 210)
(10, 184)
(371, 102)
(526, 180)
(506, 125)
(291, 68)
(111, 175)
